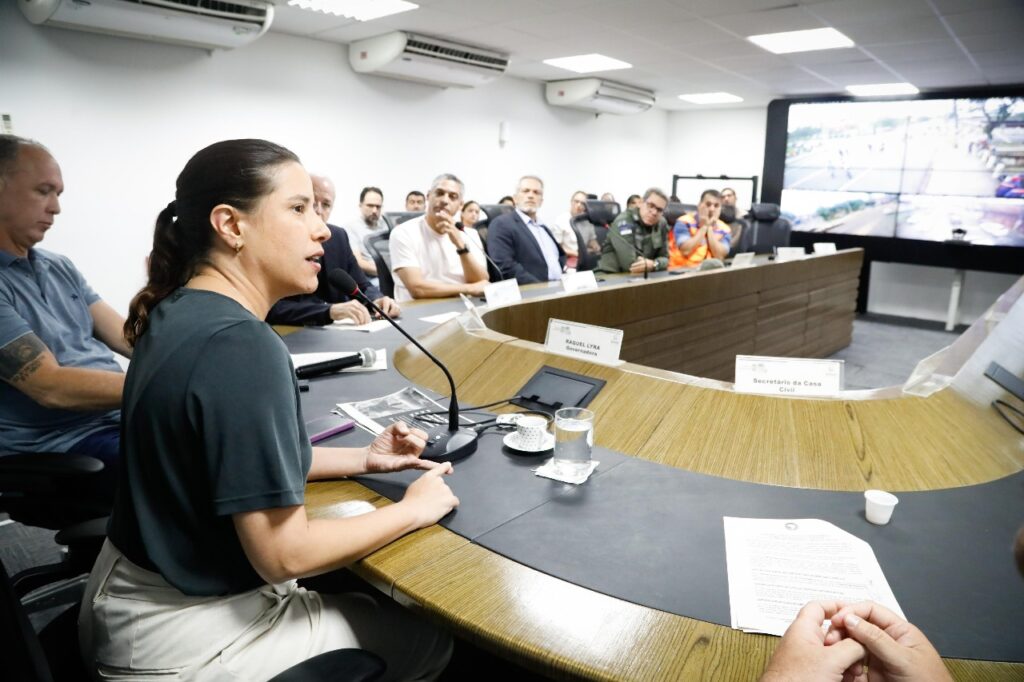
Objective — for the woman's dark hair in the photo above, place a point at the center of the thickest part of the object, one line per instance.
(234, 172)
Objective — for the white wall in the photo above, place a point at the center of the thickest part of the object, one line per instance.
(717, 142)
(123, 116)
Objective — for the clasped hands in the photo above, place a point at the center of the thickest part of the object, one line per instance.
(864, 642)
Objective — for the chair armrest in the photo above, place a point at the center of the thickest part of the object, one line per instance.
(49, 464)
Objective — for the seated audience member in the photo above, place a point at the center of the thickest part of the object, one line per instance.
(607, 196)
(507, 201)
(328, 303)
(368, 221)
(430, 256)
(562, 227)
(730, 216)
(728, 195)
(415, 201)
(633, 201)
(209, 531)
(521, 246)
(323, 189)
(61, 386)
(470, 214)
(695, 238)
(638, 231)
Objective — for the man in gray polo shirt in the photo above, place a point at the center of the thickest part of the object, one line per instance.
(60, 387)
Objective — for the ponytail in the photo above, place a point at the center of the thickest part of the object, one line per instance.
(169, 266)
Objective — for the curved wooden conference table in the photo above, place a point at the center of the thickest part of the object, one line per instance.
(864, 439)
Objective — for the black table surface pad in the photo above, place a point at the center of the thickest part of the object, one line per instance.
(653, 535)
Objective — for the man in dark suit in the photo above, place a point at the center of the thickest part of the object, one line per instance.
(519, 245)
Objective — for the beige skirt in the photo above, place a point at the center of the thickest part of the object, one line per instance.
(135, 626)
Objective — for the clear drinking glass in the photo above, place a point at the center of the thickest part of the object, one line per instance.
(574, 438)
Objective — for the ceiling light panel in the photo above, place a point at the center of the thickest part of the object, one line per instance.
(588, 63)
(882, 89)
(801, 41)
(360, 10)
(710, 98)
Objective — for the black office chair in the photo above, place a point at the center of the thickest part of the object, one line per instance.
(378, 245)
(601, 214)
(488, 214)
(674, 210)
(584, 260)
(52, 654)
(395, 218)
(737, 226)
(768, 230)
(44, 490)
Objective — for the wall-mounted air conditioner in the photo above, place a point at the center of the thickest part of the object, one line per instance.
(599, 96)
(416, 57)
(210, 24)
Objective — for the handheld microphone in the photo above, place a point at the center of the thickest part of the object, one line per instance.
(632, 246)
(462, 228)
(364, 358)
(444, 443)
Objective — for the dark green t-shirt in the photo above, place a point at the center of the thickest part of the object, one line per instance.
(211, 426)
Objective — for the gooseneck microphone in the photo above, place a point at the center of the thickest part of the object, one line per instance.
(364, 358)
(632, 246)
(444, 443)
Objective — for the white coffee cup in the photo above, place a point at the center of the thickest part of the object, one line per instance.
(530, 432)
(878, 506)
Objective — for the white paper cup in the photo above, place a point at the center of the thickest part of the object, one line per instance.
(878, 506)
(530, 432)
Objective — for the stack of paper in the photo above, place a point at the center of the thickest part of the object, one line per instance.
(350, 326)
(775, 566)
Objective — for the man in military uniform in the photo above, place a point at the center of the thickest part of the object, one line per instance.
(638, 237)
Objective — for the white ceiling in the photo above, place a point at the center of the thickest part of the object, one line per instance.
(685, 46)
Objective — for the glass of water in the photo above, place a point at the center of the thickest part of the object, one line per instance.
(574, 438)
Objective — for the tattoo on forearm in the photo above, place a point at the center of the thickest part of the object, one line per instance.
(21, 358)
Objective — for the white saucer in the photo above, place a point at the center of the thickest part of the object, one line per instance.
(512, 441)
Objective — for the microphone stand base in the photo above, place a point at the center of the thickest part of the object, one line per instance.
(449, 446)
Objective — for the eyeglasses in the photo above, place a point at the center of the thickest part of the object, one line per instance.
(654, 207)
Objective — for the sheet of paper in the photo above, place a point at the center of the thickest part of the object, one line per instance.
(350, 326)
(440, 318)
(775, 566)
(303, 359)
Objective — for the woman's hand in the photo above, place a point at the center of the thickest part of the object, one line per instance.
(430, 497)
(397, 448)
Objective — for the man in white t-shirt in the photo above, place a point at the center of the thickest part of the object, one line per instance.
(430, 256)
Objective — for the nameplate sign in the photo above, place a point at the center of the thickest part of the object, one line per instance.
(743, 260)
(579, 281)
(785, 253)
(500, 293)
(824, 247)
(788, 376)
(584, 340)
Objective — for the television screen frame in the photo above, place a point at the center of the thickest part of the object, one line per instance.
(965, 256)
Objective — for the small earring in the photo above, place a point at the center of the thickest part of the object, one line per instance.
(238, 247)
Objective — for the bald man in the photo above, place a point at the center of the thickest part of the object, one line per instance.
(61, 386)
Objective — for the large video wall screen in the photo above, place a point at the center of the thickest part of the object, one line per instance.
(911, 169)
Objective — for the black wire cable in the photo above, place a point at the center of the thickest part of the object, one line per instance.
(478, 407)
